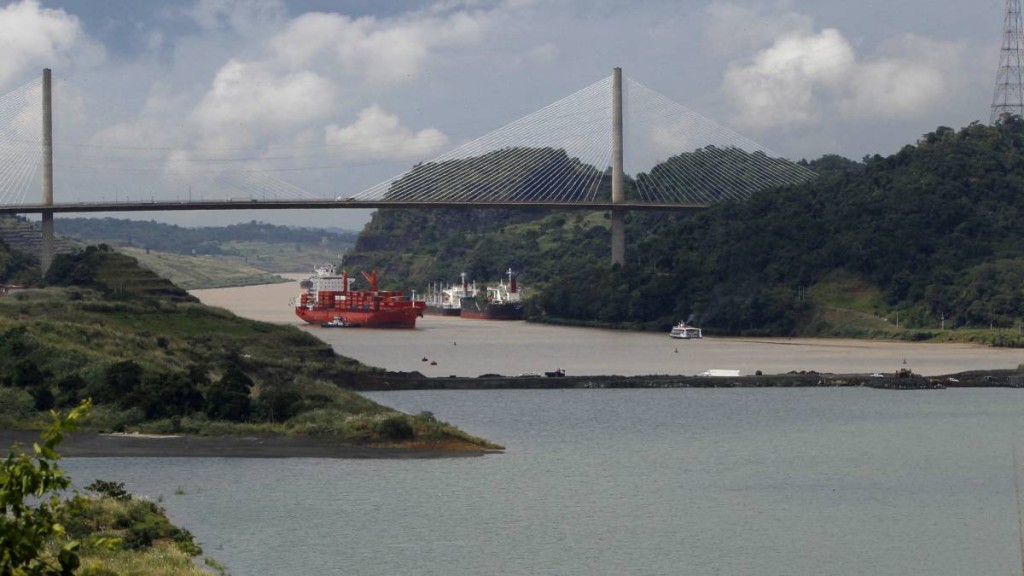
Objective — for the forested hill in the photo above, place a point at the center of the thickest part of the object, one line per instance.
(934, 232)
(181, 240)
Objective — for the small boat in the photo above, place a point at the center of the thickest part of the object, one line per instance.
(337, 322)
(684, 331)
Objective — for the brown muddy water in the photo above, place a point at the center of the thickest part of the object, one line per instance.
(441, 346)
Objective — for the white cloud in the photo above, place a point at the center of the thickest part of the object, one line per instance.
(246, 17)
(804, 79)
(916, 75)
(31, 35)
(546, 52)
(378, 135)
(140, 133)
(247, 100)
(733, 27)
(380, 51)
(779, 86)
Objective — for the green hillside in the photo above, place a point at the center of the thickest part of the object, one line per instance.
(931, 233)
(252, 245)
(195, 272)
(501, 174)
(152, 358)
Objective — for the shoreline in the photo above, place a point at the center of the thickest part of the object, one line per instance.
(402, 381)
(90, 444)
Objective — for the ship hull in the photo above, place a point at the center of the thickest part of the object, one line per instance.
(442, 311)
(383, 318)
(473, 309)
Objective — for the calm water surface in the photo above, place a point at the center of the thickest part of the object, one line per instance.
(705, 482)
(702, 482)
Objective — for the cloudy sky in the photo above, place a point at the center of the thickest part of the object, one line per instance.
(335, 96)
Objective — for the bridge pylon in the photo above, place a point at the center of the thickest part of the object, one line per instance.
(46, 249)
(618, 195)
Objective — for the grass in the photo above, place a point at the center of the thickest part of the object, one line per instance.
(159, 560)
(845, 291)
(850, 307)
(195, 272)
(298, 382)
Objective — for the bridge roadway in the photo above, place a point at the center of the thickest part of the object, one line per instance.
(255, 204)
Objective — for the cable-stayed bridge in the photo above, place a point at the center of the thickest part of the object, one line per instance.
(615, 145)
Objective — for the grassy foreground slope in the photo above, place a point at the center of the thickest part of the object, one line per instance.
(154, 359)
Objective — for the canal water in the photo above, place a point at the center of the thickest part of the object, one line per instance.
(786, 482)
(795, 482)
(444, 346)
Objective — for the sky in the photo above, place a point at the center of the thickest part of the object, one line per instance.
(332, 97)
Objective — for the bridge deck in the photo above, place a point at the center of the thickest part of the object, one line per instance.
(166, 206)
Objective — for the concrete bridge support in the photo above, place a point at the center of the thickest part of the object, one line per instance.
(618, 194)
(46, 255)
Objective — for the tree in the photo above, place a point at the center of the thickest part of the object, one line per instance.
(166, 394)
(228, 398)
(30, 503)
(120, 381)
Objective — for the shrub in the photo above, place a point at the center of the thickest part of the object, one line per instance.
(109, 489)
(16, 403)
(42, 398)
(30, 505)
(228, 399)
(278, 403)
(395, 428)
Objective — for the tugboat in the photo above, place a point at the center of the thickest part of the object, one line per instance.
(328, 297)
(501, 302)
(337, 322)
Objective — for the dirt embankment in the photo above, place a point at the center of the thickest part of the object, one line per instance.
(90, 444)
(416, 381)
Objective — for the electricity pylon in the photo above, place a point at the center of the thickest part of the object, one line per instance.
(1009, 93)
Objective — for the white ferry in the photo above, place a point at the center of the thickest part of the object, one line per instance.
(683, 331)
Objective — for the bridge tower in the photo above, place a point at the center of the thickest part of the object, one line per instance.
(46, 255)
(1009, 92)
(618, 195)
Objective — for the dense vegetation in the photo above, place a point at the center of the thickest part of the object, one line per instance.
(153, 359)
(932, 233)
(509, 174)
(17, 267)
(44, 531)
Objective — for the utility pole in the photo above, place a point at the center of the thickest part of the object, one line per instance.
(46, 254)
(1009, 92)
(618, 195)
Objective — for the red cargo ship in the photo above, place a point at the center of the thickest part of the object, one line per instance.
(327, 297)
